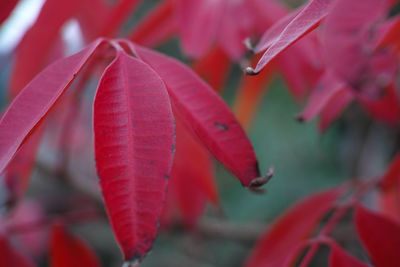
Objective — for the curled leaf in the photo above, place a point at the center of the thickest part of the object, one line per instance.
(206, 114)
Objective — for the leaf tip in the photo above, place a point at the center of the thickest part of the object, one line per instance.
(134, 263)
(247, 43)
(260, 181)
(250, 71)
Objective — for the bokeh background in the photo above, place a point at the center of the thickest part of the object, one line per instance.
(304, 160)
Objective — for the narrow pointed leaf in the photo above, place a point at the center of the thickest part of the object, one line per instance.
(291, 229)
(340, 258)
(380, 236)
(67, 250)
(134, 139)
(206, 114)
(35, 101)
(305, 21)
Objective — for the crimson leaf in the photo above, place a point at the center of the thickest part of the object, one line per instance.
(380, 236)
(68, 250)
(207, 115)
(134, 139)
(291, 229)
(36, 99)
(305, 21)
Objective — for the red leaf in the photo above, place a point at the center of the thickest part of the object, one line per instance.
(305, 21)
(206, 114)
(249, 95)
(232, 32)
(213, 68)
(386, 108)
(291, 229)
(7, 6)
(67, 250)
(134, 139)
(198, 24)
(392, 175)
(340, 258)
(272, 34)
(38, 41)
(19, 169)
(36, 99)
(117, 16)
(380, 236)
(327, 88)
(334, 108)
(31, 214)
(158, 25)
(390, 36)
(267, 13)
(389, 202)
(293, 71)
(88, 16)
(192, 180)
(347, 31)
(9, 256)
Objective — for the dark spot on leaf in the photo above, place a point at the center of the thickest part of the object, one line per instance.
(151, 162)
(133, 124)
(221, 126)
(166, 176)
(103, 132)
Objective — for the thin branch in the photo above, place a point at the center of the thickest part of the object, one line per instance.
(222, 229)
